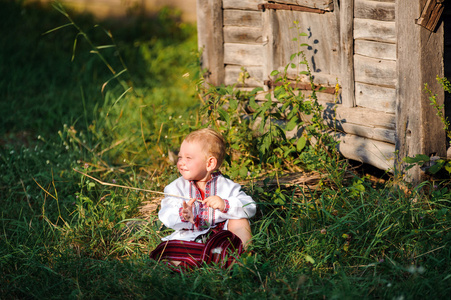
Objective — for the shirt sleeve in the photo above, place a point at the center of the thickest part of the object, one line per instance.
(169, 213)
(238, 204)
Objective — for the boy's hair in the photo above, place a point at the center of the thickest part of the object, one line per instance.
(212, 142)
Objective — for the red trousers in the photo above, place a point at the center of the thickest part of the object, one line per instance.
(222, 247)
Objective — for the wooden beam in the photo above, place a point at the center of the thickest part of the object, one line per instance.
(269, 32)
(211, 39)
(431, 14)
(347, 52)
(420, 59)
(240, 4)
(265, 6)
(319, 4)
(302, 86)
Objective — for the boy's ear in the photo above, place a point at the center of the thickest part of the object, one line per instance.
(212, 162)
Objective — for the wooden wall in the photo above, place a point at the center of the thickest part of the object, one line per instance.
(352, 42)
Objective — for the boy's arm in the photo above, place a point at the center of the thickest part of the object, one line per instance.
(171, 213)
(238, 204)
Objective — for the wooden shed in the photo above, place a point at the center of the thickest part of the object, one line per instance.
(380, 52)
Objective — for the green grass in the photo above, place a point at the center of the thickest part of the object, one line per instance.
(64, 236)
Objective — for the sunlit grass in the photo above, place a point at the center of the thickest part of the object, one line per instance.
(63, 235)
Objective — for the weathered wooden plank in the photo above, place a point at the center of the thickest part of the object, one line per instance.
(327, 5)
(322, 54)
(233, 75)
(347, 53)
(270, 31)
(378, 134)
(324, 98)
(233, 17)
(375, 49)
(278, 6)
(243, 54)
(210, 39)
(420, 60)
(375, 71)
(302, 85)
(431, 14)
(375, 97)
(376, 153)
(244, 35)
(359, 115)
(382, 11)
(375, 30)
(241, 4)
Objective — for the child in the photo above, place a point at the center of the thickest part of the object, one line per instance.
(215, 220)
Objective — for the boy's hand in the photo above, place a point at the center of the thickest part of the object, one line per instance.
(215, 202)
(187, 211)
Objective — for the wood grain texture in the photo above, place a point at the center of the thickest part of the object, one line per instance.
(375, 71)
(322, 52)
(420, 60)
(374, 133)
(232, 76)
(347, 53)
(233, 17)
(382, 11)
(375, 97)
(327, 5)
(430, 16)
(375, 30)
(375, 49)
(359, 116)
(376, 153)
(210, 39)
(241, 4)
(242, 35)
(243, 54)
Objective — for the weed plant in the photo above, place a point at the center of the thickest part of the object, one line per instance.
(64, 235)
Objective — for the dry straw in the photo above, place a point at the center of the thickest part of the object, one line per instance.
(130, 187)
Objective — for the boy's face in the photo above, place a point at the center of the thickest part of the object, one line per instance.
(192, 162)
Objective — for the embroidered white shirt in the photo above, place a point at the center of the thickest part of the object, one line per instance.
(238, 206)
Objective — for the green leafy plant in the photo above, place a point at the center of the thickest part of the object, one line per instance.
(434, 164)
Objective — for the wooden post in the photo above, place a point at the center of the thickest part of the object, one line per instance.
(347, 52)
(211, 39)
(419, 61)
(269, 32)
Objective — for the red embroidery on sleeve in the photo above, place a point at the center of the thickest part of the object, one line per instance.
(180, 214)
(227, 206)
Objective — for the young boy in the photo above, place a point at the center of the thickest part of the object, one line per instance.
(215, 220)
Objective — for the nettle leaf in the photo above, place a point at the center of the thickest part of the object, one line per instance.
(224, 115)
(302, 141)
(293, 66)
(266, 143)
(233, 104)
(417, 159)
(274, 73)
(253, 104)
(293, 56)
(256, 90)
(243, 171)
(437, 166)
(448, 167)
(292, 123)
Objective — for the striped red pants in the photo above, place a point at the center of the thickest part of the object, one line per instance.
(222, 247)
